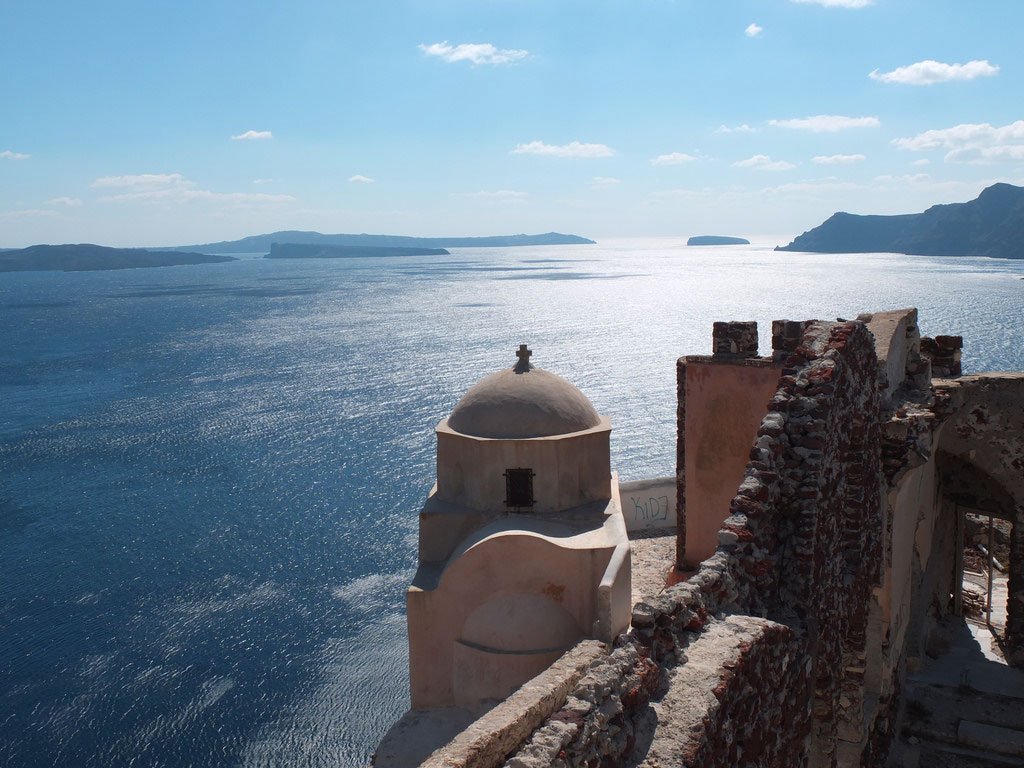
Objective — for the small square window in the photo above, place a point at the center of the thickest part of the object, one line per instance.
(519, 487)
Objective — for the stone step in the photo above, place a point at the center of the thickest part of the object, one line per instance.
(1005, 741)
(946, 756)
(981, 676)
(934, 712)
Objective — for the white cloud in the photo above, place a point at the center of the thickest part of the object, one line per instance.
(837, 159)
(360, 179)
(837, 3)
(140, 180)
(174, 188)
(971, 142)
(474, 53)
(8, 154)
(826, 123)
(603, 182)
(253, 136)
(673, 158)
(753, 30)
(922, 161)
(764, 163)
(70, 202)
(572, 149)
(735, 129)
(262, 181)
(28, 213)
(911, 178)
(929, 72)
(813, 186)
(498, 194)
(184, 195)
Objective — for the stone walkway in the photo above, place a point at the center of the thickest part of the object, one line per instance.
(654, 557)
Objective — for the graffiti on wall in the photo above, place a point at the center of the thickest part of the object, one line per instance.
(649, 504)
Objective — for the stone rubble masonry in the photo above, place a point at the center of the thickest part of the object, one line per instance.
(736, 339)
(597, 723)
(737, 700)
(786, 336)
(944, 353)
(680, 462)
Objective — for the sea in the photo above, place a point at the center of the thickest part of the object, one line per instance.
(210, 475)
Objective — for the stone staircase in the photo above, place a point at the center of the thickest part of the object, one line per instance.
(962, 710)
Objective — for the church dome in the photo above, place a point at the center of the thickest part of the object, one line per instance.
(522, 402)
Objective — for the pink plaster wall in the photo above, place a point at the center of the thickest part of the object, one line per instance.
(724, 407)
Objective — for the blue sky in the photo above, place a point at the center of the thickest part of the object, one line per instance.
(160, 123)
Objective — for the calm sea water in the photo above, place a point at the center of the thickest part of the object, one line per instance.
(210, 475)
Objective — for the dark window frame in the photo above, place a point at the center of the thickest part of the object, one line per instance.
(519, 487)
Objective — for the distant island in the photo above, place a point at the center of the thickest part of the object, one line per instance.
(307, 251)
(990, 225)
(85, 257)
(263, 243)
(717, 240)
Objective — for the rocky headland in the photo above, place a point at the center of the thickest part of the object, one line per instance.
(83, 257)
(990, 225)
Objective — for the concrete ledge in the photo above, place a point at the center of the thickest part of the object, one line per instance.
(747, 362)
(488, 741)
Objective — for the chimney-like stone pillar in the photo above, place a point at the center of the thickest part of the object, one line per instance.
(734, 339)
(944, 353)
(786, 337)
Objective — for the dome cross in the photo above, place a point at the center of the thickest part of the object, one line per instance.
(523, 353)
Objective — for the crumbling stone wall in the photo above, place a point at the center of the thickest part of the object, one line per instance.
(944, 354)
(805, 527)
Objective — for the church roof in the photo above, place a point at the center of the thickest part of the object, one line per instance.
(522, 402)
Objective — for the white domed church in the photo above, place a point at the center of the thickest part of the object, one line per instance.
(522, 547)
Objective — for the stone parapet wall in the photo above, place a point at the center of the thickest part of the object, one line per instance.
(597, 724)
(740, 699)
(502, 731)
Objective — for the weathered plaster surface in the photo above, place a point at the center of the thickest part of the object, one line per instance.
(724, 405)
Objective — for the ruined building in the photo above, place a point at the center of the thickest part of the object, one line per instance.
(823, 491)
